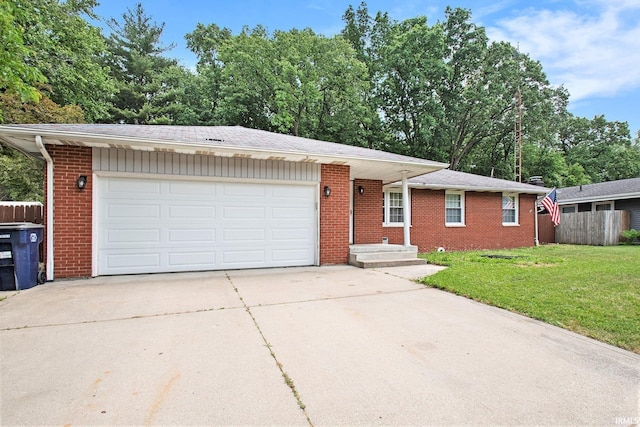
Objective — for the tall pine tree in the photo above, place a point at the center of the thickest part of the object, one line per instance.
(137, 63)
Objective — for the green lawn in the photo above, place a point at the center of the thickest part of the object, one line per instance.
(592, 290)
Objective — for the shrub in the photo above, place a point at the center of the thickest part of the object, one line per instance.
(632, 236)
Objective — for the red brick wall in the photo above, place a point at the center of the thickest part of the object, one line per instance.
(72, 211)
(483, 223)
(367, 209)
(334, 215)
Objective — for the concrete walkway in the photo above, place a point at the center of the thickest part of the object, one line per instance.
(323, 346)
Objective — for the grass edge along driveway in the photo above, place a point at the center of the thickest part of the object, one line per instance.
(591, 290)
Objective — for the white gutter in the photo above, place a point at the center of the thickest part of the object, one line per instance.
(49, 204)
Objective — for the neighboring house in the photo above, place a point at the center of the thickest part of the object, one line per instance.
(450, 210)
(623, 195)
(124, 199)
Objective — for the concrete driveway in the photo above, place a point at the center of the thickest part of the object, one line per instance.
(324, 346)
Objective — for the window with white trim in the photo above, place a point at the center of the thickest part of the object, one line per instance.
(569, 209)
(454, 208)
(392, 209)
(509, 209)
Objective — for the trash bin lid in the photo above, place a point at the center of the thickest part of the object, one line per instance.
(19, 225)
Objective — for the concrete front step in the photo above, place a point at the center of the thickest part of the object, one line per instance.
(376, 256)
(389, 263)
(383, 255)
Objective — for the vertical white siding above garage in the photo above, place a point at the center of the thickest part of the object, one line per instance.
(152, 162)
(172, 212)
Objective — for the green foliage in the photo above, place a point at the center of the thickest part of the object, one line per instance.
(17, 74)
(21, 177)
(294, 82)
(137, 64)
(632, 236)
(590, 290)
(68, 51)
(604, 149)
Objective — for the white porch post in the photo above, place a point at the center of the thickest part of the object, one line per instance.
(405, 210)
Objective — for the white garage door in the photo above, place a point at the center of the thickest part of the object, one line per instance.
(154, 225)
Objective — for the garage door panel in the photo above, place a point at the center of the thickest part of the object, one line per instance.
(291, 234)
(202, 225)
(243, 235)
(191, 212)
(193, 191)
(187, 259)
(130, 210)
(126, 188)
(299, 254)
(197, 235)
(290, 212)
(120, 236)
(290, 192)
(132, 260)
(244, 212)
(243, 191)
(244, 257)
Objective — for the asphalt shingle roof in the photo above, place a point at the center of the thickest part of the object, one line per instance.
(446, 179)
(225, 136)
(624, 188)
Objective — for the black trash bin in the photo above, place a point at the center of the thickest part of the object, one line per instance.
(19, 255)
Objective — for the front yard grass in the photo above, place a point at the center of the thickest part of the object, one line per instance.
(591, 290)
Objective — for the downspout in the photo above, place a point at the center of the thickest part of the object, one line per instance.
(49, 204)
(535, 209)
(405, 210)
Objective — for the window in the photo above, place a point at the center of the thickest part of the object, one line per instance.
(392, 210)
(454, 208)
(603, 206)
(570, 209)
(509, 209)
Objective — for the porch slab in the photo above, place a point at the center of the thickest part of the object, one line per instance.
(383, 255)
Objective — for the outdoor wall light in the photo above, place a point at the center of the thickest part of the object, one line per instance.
(360, 190)
(81, 182)
(327, 191)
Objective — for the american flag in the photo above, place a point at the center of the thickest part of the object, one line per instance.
(550, 203)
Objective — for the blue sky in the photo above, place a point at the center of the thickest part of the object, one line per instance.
(592, 47)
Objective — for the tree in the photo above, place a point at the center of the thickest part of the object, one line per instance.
(18, 76)
(206, 42)
(136, 61)
(604, 149)
(406, 95)
(293, 82)
(68, 51)
(21, 177)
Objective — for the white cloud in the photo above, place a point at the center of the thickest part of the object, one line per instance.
(593, 49)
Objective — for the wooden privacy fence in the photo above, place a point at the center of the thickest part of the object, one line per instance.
(546, 230)
(602, 228)
(21, 212)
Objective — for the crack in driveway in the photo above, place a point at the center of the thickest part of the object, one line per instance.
(287, 379)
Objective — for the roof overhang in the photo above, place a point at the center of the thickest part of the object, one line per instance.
(481, 189)
(386, 170)
(592, 199)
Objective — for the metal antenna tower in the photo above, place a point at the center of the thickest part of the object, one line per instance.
(517, 157)
(517, 127)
